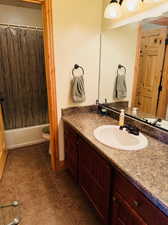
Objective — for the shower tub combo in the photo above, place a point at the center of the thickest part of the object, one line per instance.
(16, 138)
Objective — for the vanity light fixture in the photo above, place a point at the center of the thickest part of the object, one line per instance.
(151, 1)
(132, 5)
(113, 10)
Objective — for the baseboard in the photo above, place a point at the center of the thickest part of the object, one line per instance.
(61, 165)
(22, 145)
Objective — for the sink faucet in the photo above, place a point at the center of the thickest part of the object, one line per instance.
(16, 221)
(156, 121)
(131, 129)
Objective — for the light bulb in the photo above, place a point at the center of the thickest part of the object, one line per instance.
(132, 5)
(151, 1)
(113, 10)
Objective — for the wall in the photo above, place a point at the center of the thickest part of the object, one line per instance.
(119, 41)
(20, 16)
(77, 27)
(149, 26)
(118, 47)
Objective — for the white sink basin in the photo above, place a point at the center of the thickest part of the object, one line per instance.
(113, 137)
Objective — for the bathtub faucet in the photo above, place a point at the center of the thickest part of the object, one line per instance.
(16, 221)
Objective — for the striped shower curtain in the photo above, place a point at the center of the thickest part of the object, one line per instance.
(22, 77)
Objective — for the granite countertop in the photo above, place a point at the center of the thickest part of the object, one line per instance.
(147, 168)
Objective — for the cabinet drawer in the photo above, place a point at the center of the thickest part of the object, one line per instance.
(150, 213)
(123, 214)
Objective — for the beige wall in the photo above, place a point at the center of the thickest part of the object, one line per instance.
(77, 26)
(20, 16)
(119, 41)
(76, 36)
(118, 47)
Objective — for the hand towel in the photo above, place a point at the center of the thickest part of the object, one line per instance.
(120, 88)
(78, 89)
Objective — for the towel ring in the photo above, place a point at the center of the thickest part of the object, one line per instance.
(76, 66)
(121, 67)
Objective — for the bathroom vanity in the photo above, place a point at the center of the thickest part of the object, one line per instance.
(125, 188)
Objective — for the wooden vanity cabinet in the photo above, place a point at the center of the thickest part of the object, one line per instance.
(95, 179)
(122, 213)
(90, 170)
(71, 151)
(127, 199)
(116, 200)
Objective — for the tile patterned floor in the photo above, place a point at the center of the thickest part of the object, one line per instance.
(46, 198)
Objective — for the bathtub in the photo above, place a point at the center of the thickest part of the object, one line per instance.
(21, 137)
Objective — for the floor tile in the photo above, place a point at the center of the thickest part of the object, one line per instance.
(46, 198)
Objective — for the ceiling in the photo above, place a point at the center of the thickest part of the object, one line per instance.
(161, 21)
(20, 3)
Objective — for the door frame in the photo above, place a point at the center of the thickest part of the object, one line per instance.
(136, 67)
(50, 77)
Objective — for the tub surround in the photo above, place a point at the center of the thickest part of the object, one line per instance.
(22, 137)
(146, 169)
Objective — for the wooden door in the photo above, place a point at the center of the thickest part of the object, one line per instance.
(163, 97)
(150, 72)
(3, 150)
(123, 214)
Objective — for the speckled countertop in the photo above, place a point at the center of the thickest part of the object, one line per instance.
(147, 168)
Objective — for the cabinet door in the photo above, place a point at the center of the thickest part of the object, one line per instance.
(123, 214)
(94, 179)
(71, 151)
(3, 150)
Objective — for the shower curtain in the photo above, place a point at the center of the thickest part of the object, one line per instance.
(22, 77)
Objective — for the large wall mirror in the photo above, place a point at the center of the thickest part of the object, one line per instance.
(134, 70)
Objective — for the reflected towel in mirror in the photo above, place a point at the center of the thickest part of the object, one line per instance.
(120, 88)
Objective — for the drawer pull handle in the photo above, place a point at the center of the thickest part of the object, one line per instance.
(136, 203)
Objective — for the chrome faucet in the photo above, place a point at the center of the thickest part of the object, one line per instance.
(16, 221)
(14, 203)
(131, 129)
(156, 121)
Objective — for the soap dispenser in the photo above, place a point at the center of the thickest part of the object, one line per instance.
(122, 118)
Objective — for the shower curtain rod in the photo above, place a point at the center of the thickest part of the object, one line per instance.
(21, 26)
